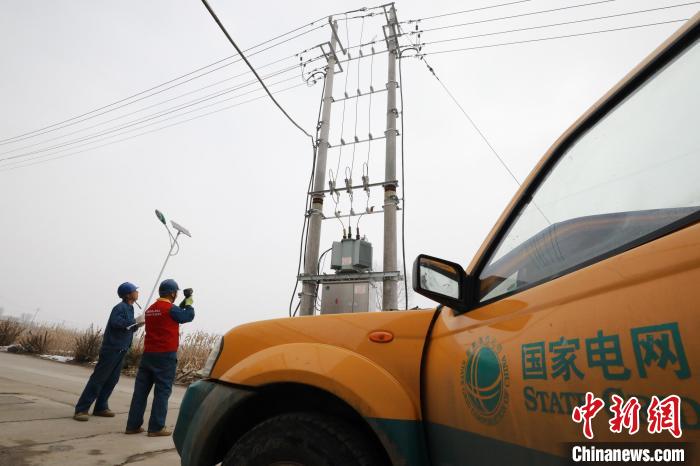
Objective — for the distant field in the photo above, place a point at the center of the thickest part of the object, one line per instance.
(82, 346)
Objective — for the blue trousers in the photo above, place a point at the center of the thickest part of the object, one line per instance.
(102, 381)
(156, 369)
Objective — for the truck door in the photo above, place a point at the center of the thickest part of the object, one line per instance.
(591, 283)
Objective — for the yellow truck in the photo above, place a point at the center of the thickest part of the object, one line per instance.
(588, 283)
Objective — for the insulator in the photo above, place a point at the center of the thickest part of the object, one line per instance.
(371, 88)
(365, 182)
(342, 141)
(331, 186)
(370, 136)
(352, 211)
(361, 53)
(348, 185)
(357, 139)
(346, 95)
(359, 92)
(373, 52)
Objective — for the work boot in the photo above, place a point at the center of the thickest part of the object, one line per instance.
(103, 413)
(161, 433)
(82, 416)
(133, 431)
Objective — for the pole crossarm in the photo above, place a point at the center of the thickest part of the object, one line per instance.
(359, 141)
(351, 277)
(354, 214)
(358, 95)
(331, 53)
(361, 186)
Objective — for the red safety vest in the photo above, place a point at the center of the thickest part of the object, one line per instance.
(162, 332)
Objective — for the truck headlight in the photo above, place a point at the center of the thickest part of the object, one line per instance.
(216, 348)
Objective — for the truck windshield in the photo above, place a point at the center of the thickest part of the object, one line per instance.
(633, 173)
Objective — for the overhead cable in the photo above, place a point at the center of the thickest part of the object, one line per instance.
(147, 118)
(42, 158)
(154, 115)
(542, 39)
(262, 83)
(426, 18)
(558, 24)
(71, 121)
(580, 5)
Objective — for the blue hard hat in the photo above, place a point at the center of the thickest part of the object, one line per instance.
(168, 286)
(125, 289)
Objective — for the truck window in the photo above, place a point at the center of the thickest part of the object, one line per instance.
(630, 176)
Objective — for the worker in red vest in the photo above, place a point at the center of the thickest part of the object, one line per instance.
(159, 359)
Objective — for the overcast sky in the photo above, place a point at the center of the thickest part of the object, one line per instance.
(75, 227)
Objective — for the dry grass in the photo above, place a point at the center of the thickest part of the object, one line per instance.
(84, 345)
(10, 330)
(87, 346)
(193, 353)
(36, 341)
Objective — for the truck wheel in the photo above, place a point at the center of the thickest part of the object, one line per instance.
(303, 439)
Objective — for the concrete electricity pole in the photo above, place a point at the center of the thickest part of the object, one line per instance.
(309, 289)
(390, 289)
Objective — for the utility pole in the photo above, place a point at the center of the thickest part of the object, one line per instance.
(390, 289)
(309, 289)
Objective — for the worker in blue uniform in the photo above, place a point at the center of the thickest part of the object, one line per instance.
(116, 342)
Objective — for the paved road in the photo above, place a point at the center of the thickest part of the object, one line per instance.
(36, 425)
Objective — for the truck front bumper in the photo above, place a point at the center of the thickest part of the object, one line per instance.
(201, 423)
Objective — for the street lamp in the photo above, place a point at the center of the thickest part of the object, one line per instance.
(173, 242)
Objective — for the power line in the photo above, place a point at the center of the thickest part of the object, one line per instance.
(262, 83)
(118, 131)
(437, 52)
(177, 107)
(481, 134)
(72, 121)
(42, 159)
(153, 116)
(165, 83)
(559, 24)
(580, 5)
(416, 47)
(426, 18)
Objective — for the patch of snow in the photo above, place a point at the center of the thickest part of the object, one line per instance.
(55, 357)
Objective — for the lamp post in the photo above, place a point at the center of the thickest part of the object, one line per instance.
(173, 242)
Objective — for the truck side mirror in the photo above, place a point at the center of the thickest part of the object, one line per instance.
(441, 281)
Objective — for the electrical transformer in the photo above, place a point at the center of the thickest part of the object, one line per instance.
(351, 255)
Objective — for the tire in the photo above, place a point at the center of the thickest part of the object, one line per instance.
(303, 439)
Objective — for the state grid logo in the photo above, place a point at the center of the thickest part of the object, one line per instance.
(485, 380)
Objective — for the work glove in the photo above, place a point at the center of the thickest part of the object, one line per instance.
(140, 321)
(188, 301)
